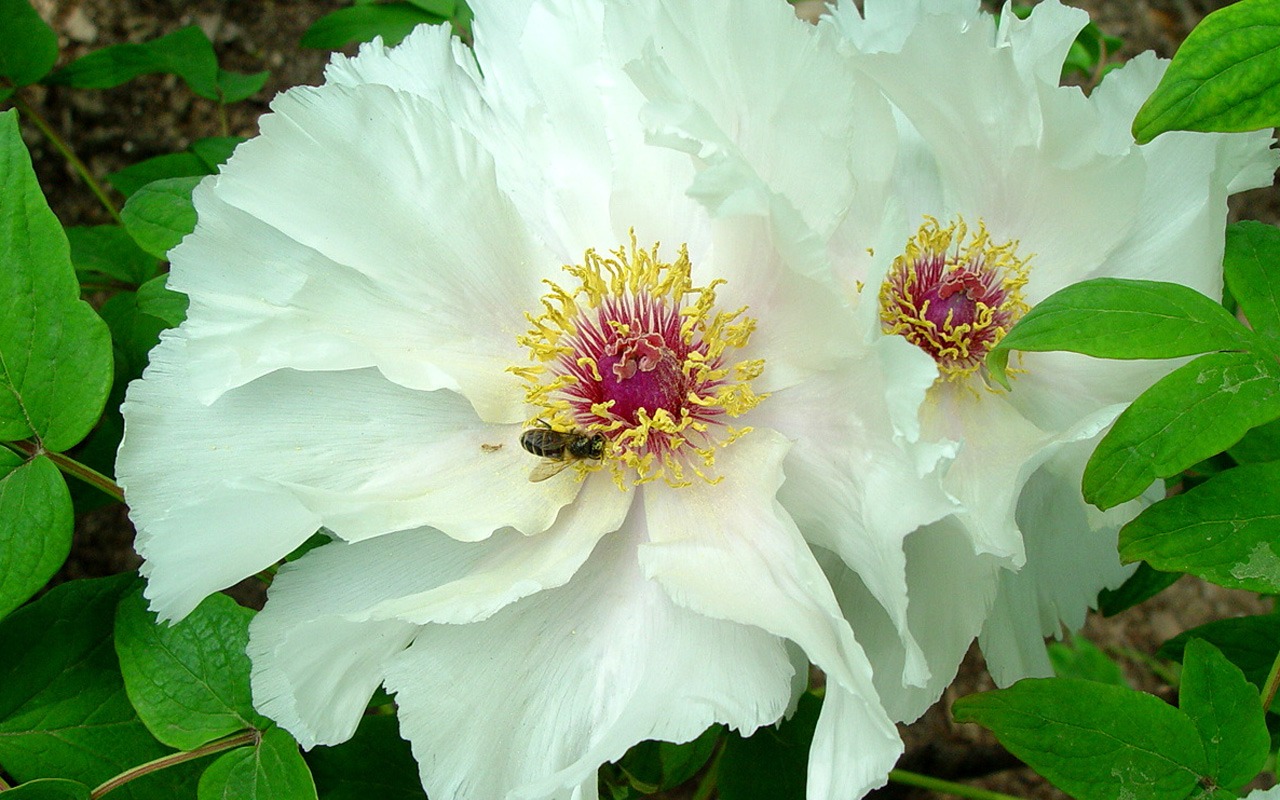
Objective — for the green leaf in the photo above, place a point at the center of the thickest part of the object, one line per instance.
(133, 332)
(189, 682)
(63, 709)
(1120, 318)
(172, 165)
(35, 526)
(156, 299)
(654, 766)
(1228, 713)
(159, 214)
(236, 86)
(1093, 741)
(111, 251)
(55, 353)
(391, 21)
(215, 150)
(271, 770)
(1080, 658)
(49, 789)
(1226, 530)
(375, 762)
(1249, 264)
(187, 53)
(1144, 584)
(1194, 412)
(30, 45)
(440, 8)
(1258, 445)
(1223, 77)
(1251, 643)
(772, 763)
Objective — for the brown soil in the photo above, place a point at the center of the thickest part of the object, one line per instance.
(154, 115)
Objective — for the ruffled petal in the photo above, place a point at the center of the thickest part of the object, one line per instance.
(1070, 558)
(338, 614)
(731, 552)
(360, 253)
(949, 592)
(851, 488)
(529, 702)
(267, 464)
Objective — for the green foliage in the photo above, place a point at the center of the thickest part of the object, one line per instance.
(63, 708)
(361, 23)
(56, 351)
(1103, 742)
(658, 766)
(202, 158)
(1199, 409)
(272, 769)
(773, 762)
(108, 251)
(1225, 530)
(35, 526)
(189, 682)
(1081, 658)
(49, 789)
(1223, 77)
(30, 46)
(156, 299)
(1142, 585)
(1251, 643)
(159, 214)
(1092, 740)
(376, 762)
(1227, 713)
(1252, 253)
(133, 333)
(1119, 318)
(187, 53)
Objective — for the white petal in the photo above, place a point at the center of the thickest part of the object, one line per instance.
(359, 252)
(999, 451)
(528, 703)
(950, 590)
(888, 23)
(730, 551)
(430, 62)
(335, 616)
(269, 462)
(851, 488)
(1039, 44)
(1069, 561)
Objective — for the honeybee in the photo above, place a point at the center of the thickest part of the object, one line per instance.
(559, 449)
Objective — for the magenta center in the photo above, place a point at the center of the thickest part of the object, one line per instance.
(639, 355)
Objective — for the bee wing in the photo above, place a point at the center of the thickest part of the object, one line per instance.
(548, 468)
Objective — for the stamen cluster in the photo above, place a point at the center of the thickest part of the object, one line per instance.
(954, 295)
(638, 354)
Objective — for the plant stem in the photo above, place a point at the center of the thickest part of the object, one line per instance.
(217, 746)
(946, 787)
(709, 779)
(72, 159)
(3, 785)
(70, 467)
(1273, 682)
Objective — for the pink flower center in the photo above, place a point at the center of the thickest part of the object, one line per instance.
(952, 298)
(638, 355)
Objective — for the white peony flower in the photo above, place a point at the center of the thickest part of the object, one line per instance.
(1007, 188)
(382, 341)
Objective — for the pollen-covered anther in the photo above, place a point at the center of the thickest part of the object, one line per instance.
(954, 294)
(637, 354)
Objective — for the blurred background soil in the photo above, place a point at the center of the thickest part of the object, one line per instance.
(154, 115)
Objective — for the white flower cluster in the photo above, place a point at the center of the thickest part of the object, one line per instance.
(633, 362)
